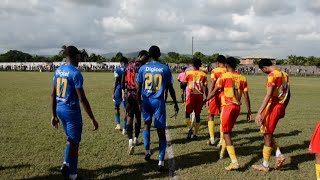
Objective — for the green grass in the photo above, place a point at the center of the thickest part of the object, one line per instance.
(32, 149)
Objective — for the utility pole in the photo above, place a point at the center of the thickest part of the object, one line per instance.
(192, 46)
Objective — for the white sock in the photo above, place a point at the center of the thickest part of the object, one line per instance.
(67, 164)
(278, 153)
(265, 163)
(130, 142)
(135, 139)
(161, 163)
(148, 152)
(234, 160)
(73, 176)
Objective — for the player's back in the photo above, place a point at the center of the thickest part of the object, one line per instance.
(130, 75)
(66, 79)
(196, 80)
(217, 73)
(155, 78)
(118, 74)
(280, 80)
(230, 82)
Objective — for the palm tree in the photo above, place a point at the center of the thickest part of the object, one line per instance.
(63, 50)
(84, 55)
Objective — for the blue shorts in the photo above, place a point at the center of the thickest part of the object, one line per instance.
(157, 108)
(72, 124)
(118, 102)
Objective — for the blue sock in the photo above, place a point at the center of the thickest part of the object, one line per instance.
(73, 165)
(118, 119)
(124, 123)
(146, 139)
(66, 153)
(162, 149)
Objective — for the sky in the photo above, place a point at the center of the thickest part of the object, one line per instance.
(231, 27)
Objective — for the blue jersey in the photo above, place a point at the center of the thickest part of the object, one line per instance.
(67, 78)
(155, 78)
(118, 74)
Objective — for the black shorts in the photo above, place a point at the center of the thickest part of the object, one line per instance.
(183, 86)
(132, 105)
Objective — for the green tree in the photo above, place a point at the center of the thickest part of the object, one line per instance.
(84, 55)
(15, 56)
(63, 50)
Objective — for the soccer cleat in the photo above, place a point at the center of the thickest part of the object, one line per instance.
(232, 166)
(136, 142)
(124, 132)
(161, 168)
(118, 127)
(147, 157)
(260, 167)
(210, 142)
(279, 162)
(65, 171)
(131, 150)
(190, 132)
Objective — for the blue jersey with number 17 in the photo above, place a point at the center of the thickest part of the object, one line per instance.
(67, 78)
(155, 78)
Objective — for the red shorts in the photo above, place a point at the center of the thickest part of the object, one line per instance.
(272, 114)
(229, 115)
(215, 105)
(194, 103)
(314, 146)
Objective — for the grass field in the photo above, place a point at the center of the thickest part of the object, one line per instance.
(31, 149)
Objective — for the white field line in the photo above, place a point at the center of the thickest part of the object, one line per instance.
(171, 161)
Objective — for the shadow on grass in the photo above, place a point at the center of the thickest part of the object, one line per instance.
(15, 167)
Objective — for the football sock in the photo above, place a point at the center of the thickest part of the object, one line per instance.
(221, 133)
(223, 147)
(188, 122)
(66, 154)
(124, 123)
(118, 119)
(146, 139)
(197, 128)
(318, 171)
(130, 142)
(266, 155)
(162, 149)
(211, 129)
(276, 146)
(161, 163)
(73, 176)
(232, 154)
(73, 165)
(137, 127)
(129, 130)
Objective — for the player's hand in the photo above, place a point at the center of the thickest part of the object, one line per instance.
(55, 122)
(249, 116)
(95, 124)
(176, 108)
(113, 96)
(258, 120)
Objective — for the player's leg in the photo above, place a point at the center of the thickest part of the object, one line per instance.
(317, 165)
(117, 114)
(65, 170)
(230, 116)
(147, 117)
(124, 130)
(314, 147)
(160, 124)
(211, 128)
(130, 116)
(197, 111)
(182, 90)
(188, 111)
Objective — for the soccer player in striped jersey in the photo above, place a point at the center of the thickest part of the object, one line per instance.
(271, 111)
(152, 80)
(215, 102)
(181, 77)
(117, 94)
(131, 98)
(196, 81)
(314, 147)
(231, 84)
(67, 91)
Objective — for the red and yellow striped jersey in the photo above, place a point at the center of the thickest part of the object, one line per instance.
(232, 86)
(280, 81)
(197, 81)
(217, 72)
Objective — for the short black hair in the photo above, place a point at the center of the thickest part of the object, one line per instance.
(72, 51)
(232, 62)
(143, 53)
(264, 62)
(154, 52)
(221, 59)
(196, 63)
(124, 60)
(184, 68)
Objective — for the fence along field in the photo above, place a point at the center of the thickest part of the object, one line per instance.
(32, 149)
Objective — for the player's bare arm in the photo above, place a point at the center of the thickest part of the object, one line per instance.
(54, 119)
(248, 104)
(84, 101)
(211, 94)
(173, 96)
(138, 86)
(259, 118)
(116, 80)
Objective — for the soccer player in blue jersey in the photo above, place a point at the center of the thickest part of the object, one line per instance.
(117, 94)
(67, 91)
(152, 80)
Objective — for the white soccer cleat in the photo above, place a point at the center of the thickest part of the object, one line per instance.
(124, 132)
(118, 127)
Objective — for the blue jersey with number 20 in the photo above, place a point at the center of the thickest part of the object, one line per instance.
(67, 78)
(155, 78)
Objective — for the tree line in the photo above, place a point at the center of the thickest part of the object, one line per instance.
(170, 57)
